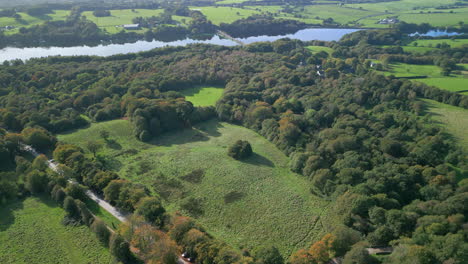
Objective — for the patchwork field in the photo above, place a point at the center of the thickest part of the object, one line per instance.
(454, 83)
(251, 203)
(27, 20)
(203, 96)
(31, 232)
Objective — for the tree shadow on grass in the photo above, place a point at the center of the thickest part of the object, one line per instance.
(113, 144)
(259, 160)
(47, 200)
(7, 218)
(201, 132)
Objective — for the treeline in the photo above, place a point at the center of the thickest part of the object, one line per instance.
(261, 25)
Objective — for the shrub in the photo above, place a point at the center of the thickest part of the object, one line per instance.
(240, 150)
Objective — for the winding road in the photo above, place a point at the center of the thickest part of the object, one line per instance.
(122, 217)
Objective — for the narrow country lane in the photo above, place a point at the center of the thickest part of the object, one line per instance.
(101, 202)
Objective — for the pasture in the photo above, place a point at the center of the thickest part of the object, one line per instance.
(28, 21)
(120, 17)
(454, 82)
(453, 119)
(31, 232)
(222, 14)
(203, 96)
(251, 203)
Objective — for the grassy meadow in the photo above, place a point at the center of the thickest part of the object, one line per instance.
(316, 49)
(120, 17)
(221, 14)
(454, 82)
(31, 232)
(248, 203)
(203, 96)
(28, 21)
(454, 119)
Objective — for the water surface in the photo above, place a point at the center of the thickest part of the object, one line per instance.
(11, 53)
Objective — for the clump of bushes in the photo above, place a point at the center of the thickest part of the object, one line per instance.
(240, 150)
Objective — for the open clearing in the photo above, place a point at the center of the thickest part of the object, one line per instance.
(454, 82)
(251, 203)
(316, 49)
(454, 119)
(31, 232)
(203, 96)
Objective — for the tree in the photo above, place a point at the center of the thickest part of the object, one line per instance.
(120, 248)
(240, 150)
(76, 191)
(104, 134)
(58, 194)
(38, 138)
(93, 147)
(269, 255)
(151, 209)
(358, 255)
(102, 232)
(36, 181)
(69, 205)
(85, 214)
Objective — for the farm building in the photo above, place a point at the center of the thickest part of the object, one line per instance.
(131, 26)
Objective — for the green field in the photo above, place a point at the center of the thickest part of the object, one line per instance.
(315, 49)
(27, 20)
(454, 83)
(221, 14)
(31, 232)
(454, 119)
(203, 96)
(454, 43)
(252, 203)
(124, 16)
(413, 11)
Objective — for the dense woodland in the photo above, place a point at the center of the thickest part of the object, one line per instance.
(360, 138)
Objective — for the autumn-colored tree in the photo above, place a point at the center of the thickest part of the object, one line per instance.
(154, 246)
(302, 256)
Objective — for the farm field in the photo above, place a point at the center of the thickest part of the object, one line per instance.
(31, 232)
(454, 43)
(203, 96)
(454, 119)
(257, 202)
(342, 15)
(125, 16)
(221, 14)
(28, 21)
(454, 83)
